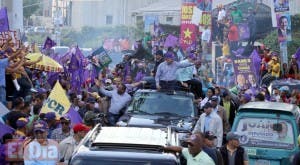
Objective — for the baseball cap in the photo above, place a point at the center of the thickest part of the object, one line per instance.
(22, 122)
(193, 139)
(89, 117)
(169, 55)
(159, 52)
(214, 98)
(50, 116)
(207, 105)
(40, 125)
(80, 127)
(232, 136)
(209, 135)
(192, 56)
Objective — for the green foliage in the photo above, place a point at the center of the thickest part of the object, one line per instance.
(271, 40)
(29, 10)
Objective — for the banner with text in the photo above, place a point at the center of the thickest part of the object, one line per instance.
(57, 101)
(244, 76)
(188, 30)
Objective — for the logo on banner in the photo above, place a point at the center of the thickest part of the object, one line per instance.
(57, 101)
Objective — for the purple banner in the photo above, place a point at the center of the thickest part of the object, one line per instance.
(171, 41)
(4, 25)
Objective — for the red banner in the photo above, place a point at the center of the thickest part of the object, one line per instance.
(188, 31)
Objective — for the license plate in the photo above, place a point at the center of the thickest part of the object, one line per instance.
(262, 162)
(251, 151)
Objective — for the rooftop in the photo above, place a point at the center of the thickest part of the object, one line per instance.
(275, 106)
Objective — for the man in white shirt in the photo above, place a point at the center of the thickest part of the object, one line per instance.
(210, 121)
(205, 39)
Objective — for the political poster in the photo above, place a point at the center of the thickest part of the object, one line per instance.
(171, 41)
(204, 5)
(188, 30)
(244, 76)
(266, 132)
(101, 58)
(284, 27)
(281, 5)
(57, 101)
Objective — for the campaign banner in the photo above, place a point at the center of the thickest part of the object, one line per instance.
(244, 76)
(205, 19)
(266, 132)
(188, 30)
(281, 5)
(57, 101)
(284, 27)
(101, 58)
(204, 5)
(244, 31)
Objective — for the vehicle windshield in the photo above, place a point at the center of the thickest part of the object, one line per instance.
(162, 103)
(266, 133)
(122, 162)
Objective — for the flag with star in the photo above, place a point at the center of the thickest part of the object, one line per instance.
(188, 30)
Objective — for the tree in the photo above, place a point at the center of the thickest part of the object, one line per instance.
(29, 8)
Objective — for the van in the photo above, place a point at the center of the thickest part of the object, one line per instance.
(269, 132)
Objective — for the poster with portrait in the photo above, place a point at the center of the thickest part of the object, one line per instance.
(244, 76)
(266, 132)
(284, 27)
(281, 5)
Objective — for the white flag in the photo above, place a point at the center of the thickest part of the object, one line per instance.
(197, 14)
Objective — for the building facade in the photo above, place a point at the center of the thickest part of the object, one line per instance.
(104, 12)
(15, 13)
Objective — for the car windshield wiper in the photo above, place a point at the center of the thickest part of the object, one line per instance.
(166, 113)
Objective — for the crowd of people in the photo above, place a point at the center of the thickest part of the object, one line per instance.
(24, 91)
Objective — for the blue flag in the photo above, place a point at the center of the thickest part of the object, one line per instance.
(4, 25)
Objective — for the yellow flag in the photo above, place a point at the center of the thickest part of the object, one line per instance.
(57, 101)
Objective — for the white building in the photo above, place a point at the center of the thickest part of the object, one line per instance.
(97, 13)
(167, 11)
(14, 12)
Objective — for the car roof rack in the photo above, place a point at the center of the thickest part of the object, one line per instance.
(135, 138)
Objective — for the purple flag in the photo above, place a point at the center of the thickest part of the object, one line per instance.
(255, 64)
(49, 43)
(5, 129)
(297, 56)
(76, 70)
(74, 115)
(171, 41)
(4, 25)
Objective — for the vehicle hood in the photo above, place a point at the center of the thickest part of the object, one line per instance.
(158, 121)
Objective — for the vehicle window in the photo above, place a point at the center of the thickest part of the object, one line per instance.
(266, 133)
(120, 162)
(153, 103)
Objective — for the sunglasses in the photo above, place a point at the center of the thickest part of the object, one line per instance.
(65, 123)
